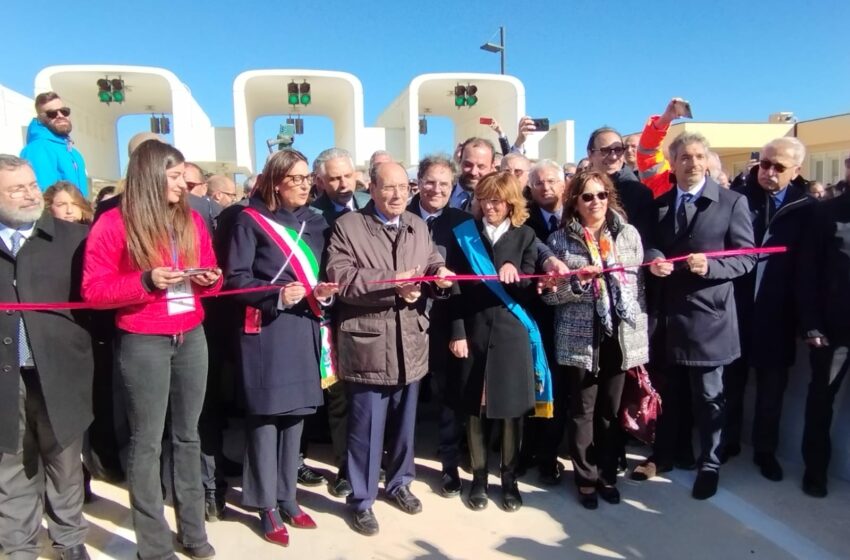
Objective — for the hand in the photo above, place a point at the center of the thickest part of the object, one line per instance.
(459, 348)
(698, 263)
(548, 283)
(587, 273)
(442, 273)
(554, 265)
(670, 114)
(324, 290)
(508, 274)
(208, 278)
(661, 268)
(817, 341)
(408, 291)
(165, 276)
(495, 126)
(525, 126)
(292, 293)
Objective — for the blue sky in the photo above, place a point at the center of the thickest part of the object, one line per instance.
(598, 62)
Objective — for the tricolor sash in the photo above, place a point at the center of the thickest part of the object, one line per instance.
(470, 242)
(306, 268)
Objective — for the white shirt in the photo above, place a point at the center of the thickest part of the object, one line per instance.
(425, 214)
(693, 191)
(6, 234)
(494, 233)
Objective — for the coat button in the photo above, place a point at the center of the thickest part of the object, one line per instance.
(9, 312)
(7, 369)
(7, 341)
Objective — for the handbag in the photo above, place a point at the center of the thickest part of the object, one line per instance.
(640, 405)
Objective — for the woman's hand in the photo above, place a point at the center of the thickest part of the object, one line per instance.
(459, 348)
(548, 283)
(292, 293)
(508, 274)
(442, 273)
(325, 290)
(208, 278)
(588, 273)
(165, 276)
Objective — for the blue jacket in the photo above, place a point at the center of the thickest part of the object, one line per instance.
(54, 158)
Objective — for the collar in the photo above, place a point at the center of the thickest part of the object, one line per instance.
(779, 197)
(694, 191)
(7, 232)
(395, 221)
(495, 232)
(341, 207)
(425, 214)
(546, 214)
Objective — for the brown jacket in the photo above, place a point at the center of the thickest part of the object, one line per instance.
(380, 339)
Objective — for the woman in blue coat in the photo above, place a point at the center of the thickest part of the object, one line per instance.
(278, 240)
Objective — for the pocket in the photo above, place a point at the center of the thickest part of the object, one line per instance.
(362, 345)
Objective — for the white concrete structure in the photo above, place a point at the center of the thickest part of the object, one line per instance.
(148, 90)
(336, 95)
(16, 112)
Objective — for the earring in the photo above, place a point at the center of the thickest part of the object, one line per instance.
(276, 189)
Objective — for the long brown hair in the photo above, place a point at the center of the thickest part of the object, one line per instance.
(76, 197)
(277, 167)
(503, 185)
(577, 186)
(153, 224)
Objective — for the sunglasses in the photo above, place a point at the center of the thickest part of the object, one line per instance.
(588, 197)
(607, 151)
(778, 167)
(53, 113)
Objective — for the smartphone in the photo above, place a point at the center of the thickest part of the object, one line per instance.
(195, 271)
(485, 120)
(755, 156)
(541, 125)
(683, 109)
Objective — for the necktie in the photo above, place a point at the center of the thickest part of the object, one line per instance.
(682, 213)
(772, 206)
(430, 222)
(553, 223)
(24, 354)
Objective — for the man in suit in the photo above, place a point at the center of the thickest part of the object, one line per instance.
(436, 175)
(696, 307)
(477, 157)
(45, 373)
(335, 179)
(780, 212)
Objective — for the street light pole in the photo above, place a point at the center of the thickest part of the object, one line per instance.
(500, 48)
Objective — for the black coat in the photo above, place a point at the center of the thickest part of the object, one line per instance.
(697, 313)
(636, 200)
(48, 268)
(823, 289)
(280, 364)
(543, 314)
(499, 347)
(765, 296)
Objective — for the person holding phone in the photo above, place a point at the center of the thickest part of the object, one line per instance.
(135, 256)
(285, 343)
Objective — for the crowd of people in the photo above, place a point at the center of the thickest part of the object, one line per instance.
(521, 291)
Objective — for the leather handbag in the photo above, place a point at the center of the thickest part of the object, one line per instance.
(640, 405)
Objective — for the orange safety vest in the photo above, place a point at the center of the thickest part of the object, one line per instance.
(653, 167)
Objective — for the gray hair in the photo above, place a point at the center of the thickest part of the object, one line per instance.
(509, 157)
(327, 155)
(793, 145)
(686, 139)
(10, 162)
(249, 183)
(429, 161)
(375, 155)
(541, 165)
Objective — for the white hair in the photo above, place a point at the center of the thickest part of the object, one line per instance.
(793, 145)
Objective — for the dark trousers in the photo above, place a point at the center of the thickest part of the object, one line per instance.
(449, 426)
(270, 471)
(829, 368)
(336, 406)
(707, 403)
(40, 471)
(478, 434)
(164, 375)
(770, 392)
(594, 408)
(376, 412)
(542, 436)
(211, 426)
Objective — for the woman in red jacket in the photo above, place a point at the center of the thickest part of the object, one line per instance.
(153, 254)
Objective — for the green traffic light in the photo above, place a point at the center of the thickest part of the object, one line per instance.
(293, 99)
(460, 101)
(118, 96)
(471, 100)
(305, 99)
(105, 96)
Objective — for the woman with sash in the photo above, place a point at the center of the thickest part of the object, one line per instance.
(285, 345)
(503, 372)
(600, 326)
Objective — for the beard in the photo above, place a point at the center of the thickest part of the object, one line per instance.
(14, 217)
(62, 129)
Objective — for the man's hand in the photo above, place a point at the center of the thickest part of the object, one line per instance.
(817, 341)
(525, 126)
(495, 126)
(325, 290)
(292, 293)
(408, 291)
(587, 273)
(165, 276)
(556, 266)
(442, 273)
(548, 283)
(459, 348)
(661, 268)
(508, 274)
(698, 263)
(670, 114)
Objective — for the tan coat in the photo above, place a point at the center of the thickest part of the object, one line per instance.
(380, 339)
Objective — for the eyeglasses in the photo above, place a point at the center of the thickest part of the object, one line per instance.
(491, 201)
(403, 188)
(296, 180)
(434, 185)
(190, 185)
(778, 167)
(518, 172)
(53, 113)
(569, 175)
(588, 197)
(545, 183)
(20, 191)
(608, 150)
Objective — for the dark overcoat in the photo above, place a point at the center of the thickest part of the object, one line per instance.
(280, 364)
(697, 313)
(48, 268)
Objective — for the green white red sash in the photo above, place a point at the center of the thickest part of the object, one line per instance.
(306, 268)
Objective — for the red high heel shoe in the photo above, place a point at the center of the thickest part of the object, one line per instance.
(273, 528)
(300, 521)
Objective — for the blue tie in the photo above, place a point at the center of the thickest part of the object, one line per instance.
(24, 354)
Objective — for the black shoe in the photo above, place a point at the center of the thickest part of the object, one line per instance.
(511, 499)
(340, 488)
(450, 485)
(201, 551)
(478, 493)
(550, 476)
(705, 486)
(309, 477)
(588, 501)
(814, 487)
(728, 451)
(769, 466)
(365, 523)
(213, 508)
(76, 552)
(228, 468)
(608, 493)
(406, 501)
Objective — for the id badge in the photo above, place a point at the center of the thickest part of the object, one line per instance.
(181, 298)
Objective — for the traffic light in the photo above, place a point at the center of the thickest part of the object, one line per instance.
(164, 124)
(104, 90)
(460, 96)
(292, 91)
(471, 98)
(155, 128)
(304, 88)
(466, 96)
(423, 126)
(118, 90)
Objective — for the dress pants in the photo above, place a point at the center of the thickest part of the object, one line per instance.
(376, 412)
(449, 426)
(336, 406)
(478, 434)
(164, 375)
(548, 432)
(829, 368)
(270, 472)
(40, 471)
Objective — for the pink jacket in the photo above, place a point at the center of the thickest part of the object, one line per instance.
(109, 276)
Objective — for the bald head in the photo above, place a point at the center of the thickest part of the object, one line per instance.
(137, 140)
(222, 190)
